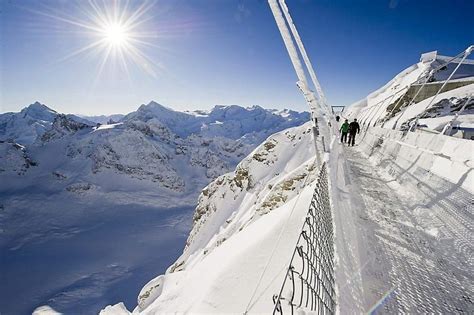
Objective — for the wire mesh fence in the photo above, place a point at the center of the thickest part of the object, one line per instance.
(309, 281)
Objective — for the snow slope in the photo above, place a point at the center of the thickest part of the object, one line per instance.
(75, 191)
(402, 213)
(396, 86)
(237, 222)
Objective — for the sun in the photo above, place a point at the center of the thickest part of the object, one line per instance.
(117, 30)
(116, 34)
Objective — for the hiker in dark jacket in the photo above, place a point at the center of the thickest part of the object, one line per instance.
(354, 128)
(344, 130)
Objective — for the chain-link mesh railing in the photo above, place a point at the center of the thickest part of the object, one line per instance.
(309, 281)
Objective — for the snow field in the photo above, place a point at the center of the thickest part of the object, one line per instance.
(130, 187)
(240, 217)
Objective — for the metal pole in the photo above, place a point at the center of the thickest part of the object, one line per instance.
(394, 106)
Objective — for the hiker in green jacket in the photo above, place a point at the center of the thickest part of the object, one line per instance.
(344, 130)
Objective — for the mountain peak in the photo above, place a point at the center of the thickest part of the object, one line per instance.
(154, 106)
(39, 106)
(39, 111)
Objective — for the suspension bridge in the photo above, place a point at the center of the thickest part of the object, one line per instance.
(308, 225)
(358, 217)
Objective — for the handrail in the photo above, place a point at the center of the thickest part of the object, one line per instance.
(311, 268)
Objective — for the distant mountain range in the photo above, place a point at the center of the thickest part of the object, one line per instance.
(67, 179)
(103, 119)
(180, 151)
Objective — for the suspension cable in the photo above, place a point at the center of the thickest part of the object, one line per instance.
(449, 126)
(467, 52)
(307, 62)
(302, 81)
(428, 76)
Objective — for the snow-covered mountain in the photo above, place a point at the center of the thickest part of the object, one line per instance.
(178, 151)
(238, 218)
(30, 123)
(103, 119)
(133, 183)
(26, 126)
(247, 221)
(233, 122)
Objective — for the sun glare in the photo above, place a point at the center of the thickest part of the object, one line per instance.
(115, 34)
(118, 31)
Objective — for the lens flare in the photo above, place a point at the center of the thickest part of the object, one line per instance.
(114, 30)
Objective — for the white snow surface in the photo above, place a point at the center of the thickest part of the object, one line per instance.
(106, 126)
(128, 189)
(402, 205)
(45, 310)
(403, 228)
(236, 225)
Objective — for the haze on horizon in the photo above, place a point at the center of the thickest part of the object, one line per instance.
(195, 54)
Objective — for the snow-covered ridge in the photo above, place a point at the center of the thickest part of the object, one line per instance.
(257, 196)
(178, 151)
(31, 123)
(137, 180)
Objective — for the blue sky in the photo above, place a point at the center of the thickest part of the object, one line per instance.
(210, 52)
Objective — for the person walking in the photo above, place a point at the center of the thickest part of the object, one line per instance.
(354, 129)
(344, 130)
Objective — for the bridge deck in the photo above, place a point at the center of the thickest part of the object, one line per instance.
(400, 248)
